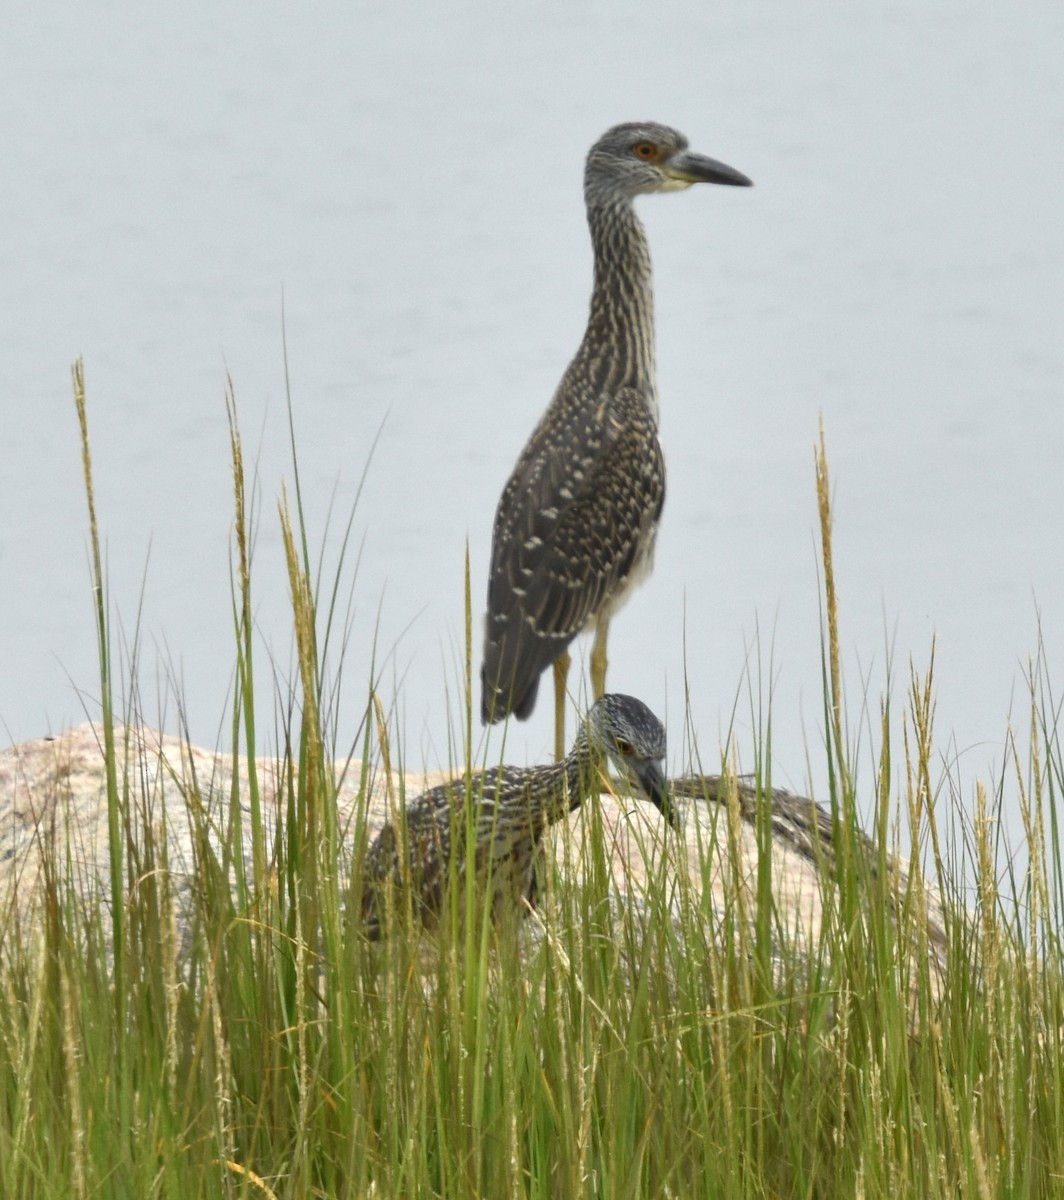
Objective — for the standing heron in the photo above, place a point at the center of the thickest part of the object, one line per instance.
(507, 811)
(576, 521)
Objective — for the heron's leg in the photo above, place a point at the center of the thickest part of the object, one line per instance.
(598, 656)
(561, 672)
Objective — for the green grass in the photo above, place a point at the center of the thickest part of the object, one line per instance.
(680, 1050)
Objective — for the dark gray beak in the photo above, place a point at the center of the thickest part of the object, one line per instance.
(686, 167)
(651, 778)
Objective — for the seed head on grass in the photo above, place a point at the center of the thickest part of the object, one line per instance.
(505, 811)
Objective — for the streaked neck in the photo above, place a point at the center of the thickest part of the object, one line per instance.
(618, 346)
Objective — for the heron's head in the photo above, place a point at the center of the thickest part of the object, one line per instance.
(631, 160)
(633, 739)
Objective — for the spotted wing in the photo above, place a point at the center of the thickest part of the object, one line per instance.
(410, 858)
(576, 516)
(413, 857)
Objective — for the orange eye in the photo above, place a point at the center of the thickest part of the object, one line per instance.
(645, 150)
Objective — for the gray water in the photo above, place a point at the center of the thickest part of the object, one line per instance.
(393, 194)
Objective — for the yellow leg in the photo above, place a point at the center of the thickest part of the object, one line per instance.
(598, 657)
(561, 672)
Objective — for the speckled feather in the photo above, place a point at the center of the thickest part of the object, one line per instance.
(507, 836)
(574, 525)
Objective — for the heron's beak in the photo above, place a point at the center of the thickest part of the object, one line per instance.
(651, 778)
(687, 168)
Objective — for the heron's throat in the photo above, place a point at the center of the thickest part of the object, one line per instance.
(620, 329)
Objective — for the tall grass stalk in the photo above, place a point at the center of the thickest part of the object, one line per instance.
(103, 645)
(220, 1027)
